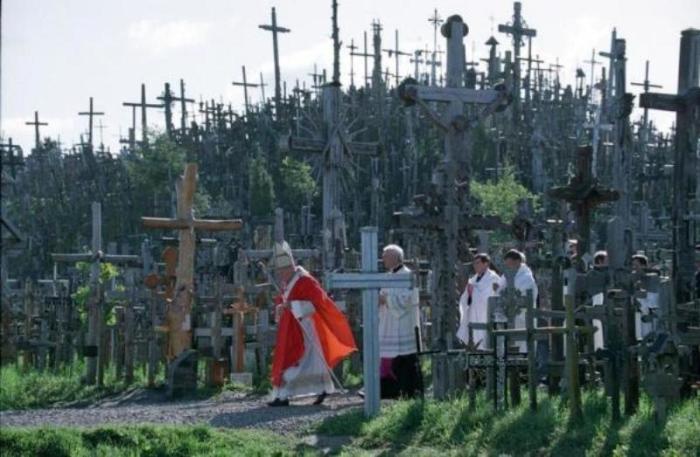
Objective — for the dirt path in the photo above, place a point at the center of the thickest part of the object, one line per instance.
(226, 410)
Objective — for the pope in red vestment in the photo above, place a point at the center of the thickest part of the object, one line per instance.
(313, 335)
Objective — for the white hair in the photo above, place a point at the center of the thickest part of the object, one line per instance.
(394, 248)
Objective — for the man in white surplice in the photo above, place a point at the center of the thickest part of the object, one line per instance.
(473, 304)
(398, 321)
(524, 280)
(600, 260)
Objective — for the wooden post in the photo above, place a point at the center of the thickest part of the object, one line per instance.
(572, 381)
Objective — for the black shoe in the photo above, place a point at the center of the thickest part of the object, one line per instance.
(361, 393)
(278, 402)
(319, 400)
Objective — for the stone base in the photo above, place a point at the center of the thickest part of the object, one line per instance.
(182, 374)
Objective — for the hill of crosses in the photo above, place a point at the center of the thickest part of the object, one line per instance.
(467, 228)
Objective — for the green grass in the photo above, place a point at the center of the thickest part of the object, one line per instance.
(27, 389)
(451, 428)
(145, 441)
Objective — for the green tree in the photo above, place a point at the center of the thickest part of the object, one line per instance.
(262, 192)
(297, 186)
(500, 198)
(155, 168)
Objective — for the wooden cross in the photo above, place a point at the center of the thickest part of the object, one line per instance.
(178, 312)
(436, 21)
(9, 158)
(90, 113)
(518, 30)
(416, 61)
(167, 99)
(397, 54)
(646, 85)
(352, 49)
(95, 256)
(245, 84)
(36, 124)
(593, 63)
(584, 193)
(143, 105)
(452, 216)
(493, 60)
(686, 104)
(238, 310)
(275, 29)
(365, 55)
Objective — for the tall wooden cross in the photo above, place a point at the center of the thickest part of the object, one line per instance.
(144, 122)
(9, 158)
(416, 61)
(584, 193)
(369, 282)
(37, 124)
(454, 177)
(275, 29)
(593, 63)
(245, 84)
(352, 49)
(365, 55)
(93, 348)
(518, 30)
(238, 310)
(396, 53)
(646, 85)
(436, 21)
(90, 113)
(686, 104)
(178, 313)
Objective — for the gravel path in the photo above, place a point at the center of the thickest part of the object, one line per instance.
(227, 410)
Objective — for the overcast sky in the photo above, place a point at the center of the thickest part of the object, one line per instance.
(58, 53)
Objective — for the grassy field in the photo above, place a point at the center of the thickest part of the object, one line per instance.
(27, 389)
(415, 428)
(145, 441)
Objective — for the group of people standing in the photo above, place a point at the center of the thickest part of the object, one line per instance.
(314, 335)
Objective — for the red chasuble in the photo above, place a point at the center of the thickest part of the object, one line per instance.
(331, 326)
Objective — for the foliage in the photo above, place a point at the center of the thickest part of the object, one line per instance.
(81, 296)
(415, 427)
(262, 192)
(142, 440)
(297, 186)
(154, 169)
(28, 389)
(500, 198)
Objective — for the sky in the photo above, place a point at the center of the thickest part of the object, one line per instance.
(58, 53)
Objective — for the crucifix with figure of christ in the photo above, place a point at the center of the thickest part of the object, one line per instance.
(177, 319)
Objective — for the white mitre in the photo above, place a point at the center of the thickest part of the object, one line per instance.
(282, 255)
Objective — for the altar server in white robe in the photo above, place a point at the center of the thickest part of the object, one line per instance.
(600, 260)
(524, 280)
(473, 304)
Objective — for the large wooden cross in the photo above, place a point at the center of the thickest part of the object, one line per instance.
(143, 105)
(686, 105)
(275, 29)
(449, 219)
(584, 193)
(177, 318)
